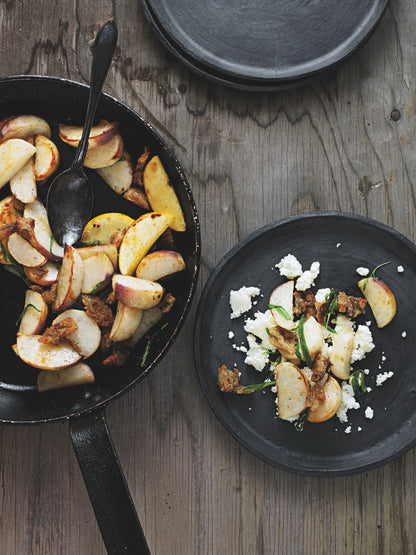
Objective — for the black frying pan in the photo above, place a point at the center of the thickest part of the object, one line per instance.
(341, 242)
(58, 101)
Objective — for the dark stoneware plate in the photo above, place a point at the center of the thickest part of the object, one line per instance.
(321, 449)
(266, 45)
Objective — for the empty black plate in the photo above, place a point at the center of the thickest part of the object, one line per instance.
(341, 242)
(264, 45)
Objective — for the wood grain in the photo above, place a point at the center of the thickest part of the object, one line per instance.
(347, 142)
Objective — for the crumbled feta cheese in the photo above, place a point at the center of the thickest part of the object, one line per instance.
(258, 326)
(400, 269)
(381, 378)
(369, 413)
(240, 301)
(338, 245)
(404, 334)
(274, 389)
(230, 334)
(362, 271)
(347, 402)
(348, 430)
(289, 266)
(307, 279)
(363, 343)
(320, 295)
(257, 356)
(359, 429)
(368, 323)
(242, 349)
(383, 358)
(366, 371)
(369, 390)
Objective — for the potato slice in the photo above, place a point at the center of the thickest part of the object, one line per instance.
(314, 336)
(70, 279)
(98, 270)
(44, 355)
(100, 229)
(340, 355)
(106, 154)
(380, 298)
(10, 208)
(292, 390)
(329, 407)
(150, 318)
(161, 194)
(35, 313)
(79, 374)
(86, 339)
(45, 275)
(46, 158)
(109, 250)
(138, 239)
(42, 238)
(282, 296)
(99, 135)
(159, 264)
(23, 183)
(137, 293)
(119, 176)
(126, 322)
(14, 154)
(23, 252)
(21, 127)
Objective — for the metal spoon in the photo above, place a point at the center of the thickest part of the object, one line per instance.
(70, 195)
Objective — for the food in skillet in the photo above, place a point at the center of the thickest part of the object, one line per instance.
(307, 344)
(104, 294)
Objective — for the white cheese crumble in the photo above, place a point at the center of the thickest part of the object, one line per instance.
(404, 334)
(400, 269)
(230, 334)
(256, 356)
(307, 279)
(362, 271)
(363, 343)
(240, 301)
(359, 429)
(347, 402)
(321, 294)
(338, 245)
(348, 430)
(259, 325)
(242, 348)
(289, 266)
(369, 413)
(381, 378)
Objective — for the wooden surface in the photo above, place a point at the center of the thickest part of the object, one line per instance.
(347, 143)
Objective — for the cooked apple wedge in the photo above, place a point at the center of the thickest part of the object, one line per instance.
(119, 176)
(44, 275)
(46, 356)
(161, 194)
(314, 336)
(98, 270)
(380, 298)
(281, 305)
(340, 355)
(99, 135)
(10, 208)
(159, 264)
(100, 229)
(46, 158)
(79, 374)
(23, 252)
(70, 278)
(86, 339)
(42, 238)
(150, 318)
(21, 127)
(14, 153)
(137, 293)
(34, 314)
(106, 154)
(109, 250)
(329, 407)
(292, 390)
(126, 322)
(138, 239)
(23, 183)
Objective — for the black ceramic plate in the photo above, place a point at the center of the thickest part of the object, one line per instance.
(59, 101)
(266, 45)
(341, 243)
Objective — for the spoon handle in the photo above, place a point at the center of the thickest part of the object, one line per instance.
(103, 51)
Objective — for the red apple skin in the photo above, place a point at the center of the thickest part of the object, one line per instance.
(136, 292)
(380, 298)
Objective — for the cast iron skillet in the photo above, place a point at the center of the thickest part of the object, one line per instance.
(268, 45)
(341, 242)
(60, 100)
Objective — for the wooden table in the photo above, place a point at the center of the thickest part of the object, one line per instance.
(347, 142)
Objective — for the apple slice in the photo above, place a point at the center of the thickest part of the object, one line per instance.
(23, 252)
(380, 298)
(159, 264)
(23, 183)
(98, 270)
(34, 314)
(14, 154)
(44, 355)
(44, 275)
(161, 194)
(329, 407)
(126, 322)
(150, 318)
(42, 238)
(10, 208)
(137, 293)
(86, 339)
(340, 355)
(46, 158)
(100, 229)
(21, 127)
(138, 239)
(281, 305)
(70, 278)
(99, 135)
(106, 154)
(292, 390)
(79, 374)
(109, 250)
(119, 176)
(314, 336)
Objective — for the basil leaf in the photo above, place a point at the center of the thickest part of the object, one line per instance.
(302, 341)
(282, 311)
(300, 422)
(373, 274)
(357, 382)
(257, 386)
(96, 287)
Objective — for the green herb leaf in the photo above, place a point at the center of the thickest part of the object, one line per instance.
(122, 159)
(96, 287)
(373, 274)
(257, 386)
(147, 349)
(333, 300)
(51, 244)
(13, 267)
(5, 252)
(357, 382)
(30, 305)
(302, 346)
(300, 422)
(282, 311)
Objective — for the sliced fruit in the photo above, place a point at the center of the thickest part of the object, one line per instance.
(86, 339)
(380, 298)
(46, 158)
(78, 374)
(340, 355)
(98, 270)
(281, 305)
(161, 194)
(292, 390)
(44, 355)
(109, 250)
(44, 275)
(23, 252)
(126, 322)
(138, 239)
(150, 318)
(23, 183)
(119, 176)
(106, 154)
(21, 127)
(136, 292)
(34, 313)
(70, 278)
(42, 237)
(159, 264)
(100, 229)
(314, 336)
(99, 135)
(329, 407)
(10, 208)
(14, 154)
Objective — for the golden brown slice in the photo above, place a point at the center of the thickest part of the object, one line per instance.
(329, 407)
(281, 303)
(380, 298)
(78, 374)
(292, 390)
(340, 355)
(14, 154)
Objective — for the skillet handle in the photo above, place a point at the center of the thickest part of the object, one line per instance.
(106, 485)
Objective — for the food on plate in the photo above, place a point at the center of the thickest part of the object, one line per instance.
(306, 344)
(92, 298)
